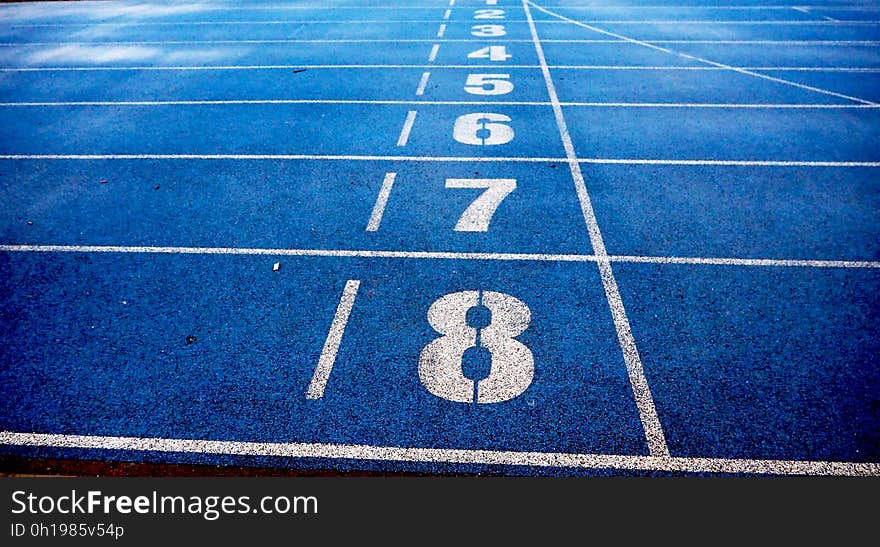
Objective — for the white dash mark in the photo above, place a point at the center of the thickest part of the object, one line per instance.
(423, 83)
(334, 338)
(407, 128)
(433, 56)
(800, 9)
(447, 14)
(451, 3)
(491, 2)
(381, 201)
(276, 266)
(442, 31)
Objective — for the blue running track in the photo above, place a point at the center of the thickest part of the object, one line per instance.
(443, 236)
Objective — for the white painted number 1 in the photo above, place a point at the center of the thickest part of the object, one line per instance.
(441, 361)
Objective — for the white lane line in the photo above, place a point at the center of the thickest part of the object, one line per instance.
(433, 55)
(490, 159)
(334, 338)
(421, 90)
(381, 202)
(447, 14)
(451, 3)
(704, 60)
(655, 437)
(274, 22)
(407, 128)
(429, 40)
(431, 58)
(441, 31)
(443, 455)
(801, 9)
(443, 255)
(423, 83)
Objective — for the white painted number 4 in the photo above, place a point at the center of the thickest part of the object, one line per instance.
(441, 361)
(492, 53)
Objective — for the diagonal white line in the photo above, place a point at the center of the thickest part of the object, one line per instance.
(381, 202)
(334, 339)
(442, 455)
(703, 60)
(641, 391)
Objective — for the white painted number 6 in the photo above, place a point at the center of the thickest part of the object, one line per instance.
(512, 367)
(482, 129)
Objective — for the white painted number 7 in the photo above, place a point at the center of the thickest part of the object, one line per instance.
(477, 216)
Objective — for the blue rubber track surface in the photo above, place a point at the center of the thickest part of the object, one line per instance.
(446, 236)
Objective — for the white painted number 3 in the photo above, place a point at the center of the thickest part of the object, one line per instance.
(512, 364)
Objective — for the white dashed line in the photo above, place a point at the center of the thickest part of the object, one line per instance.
(441, 31)
(442, 455)
(433, 55)
(447, 14)
(334, 338)
(381, 201)
(407, 128)
(423, 83)
(641, 391)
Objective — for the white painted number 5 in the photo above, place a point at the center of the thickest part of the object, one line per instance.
(512, 367)
(488, 84)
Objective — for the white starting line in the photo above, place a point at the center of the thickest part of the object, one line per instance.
(442, 455)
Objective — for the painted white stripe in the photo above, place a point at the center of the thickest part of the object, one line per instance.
(334, 339)
(641, 391)
(275, 22)
(443, 455)
(465, 159)
(441, 255)
(431, 58)
(704, 60)
(421, 90)
(381, 202)
(843, 43)
(441, 31)
(294, 7)
(433, 55)
(447, 14)
(407, 128)
(451, 3)
(423, 83)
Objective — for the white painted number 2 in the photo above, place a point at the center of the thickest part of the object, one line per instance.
(441, 361)
(489, 14)
(482, 129)
(488, 84)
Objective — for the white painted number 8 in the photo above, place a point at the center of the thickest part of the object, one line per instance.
(512, 367)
